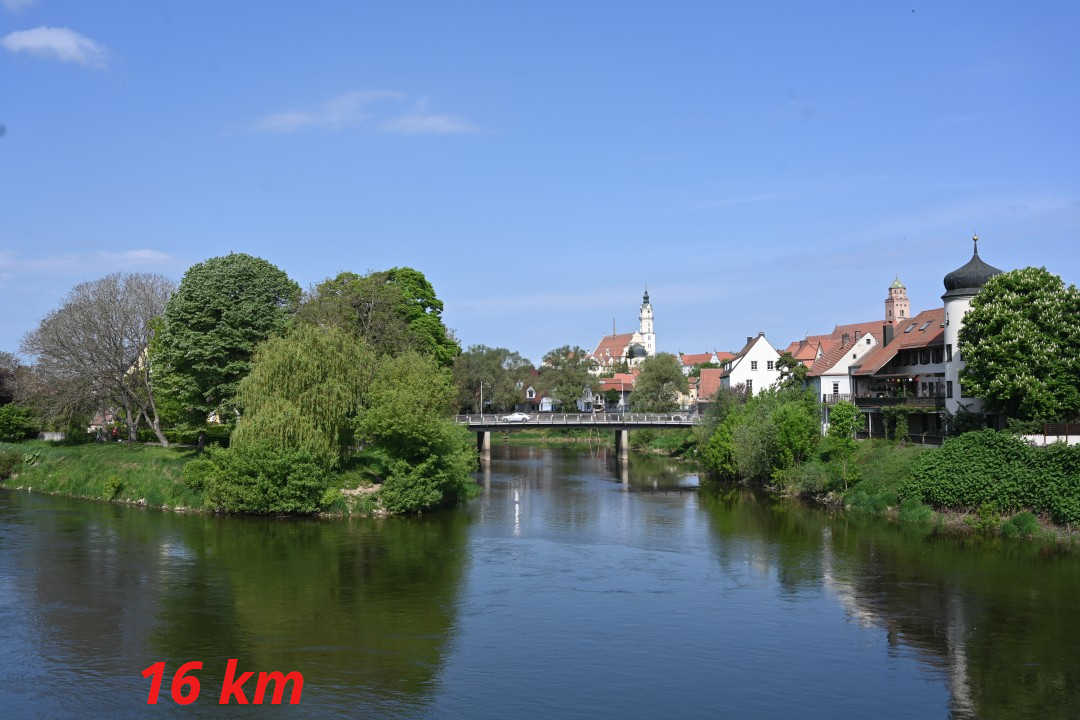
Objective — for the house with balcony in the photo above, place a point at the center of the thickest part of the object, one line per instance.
(917, 365)
(908, 370)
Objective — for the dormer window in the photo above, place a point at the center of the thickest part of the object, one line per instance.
(530, 394)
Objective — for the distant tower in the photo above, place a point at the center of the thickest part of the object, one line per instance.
(645, 325)
(897, 306)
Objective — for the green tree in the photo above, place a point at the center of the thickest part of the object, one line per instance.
(503, 372)
(406, 415)
(303, 392)
(567, 371)
(792, 371)
(843, 422)
(223, 309)
(1019, 344)
(392, 311)
(658, 386)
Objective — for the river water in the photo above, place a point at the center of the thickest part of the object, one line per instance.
(565, 590)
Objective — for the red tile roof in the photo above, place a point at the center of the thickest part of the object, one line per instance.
(710, 382)
(722, 355)
(831, 357)
(691, 359)
(918, 337)
(613, 347)
(620, 381)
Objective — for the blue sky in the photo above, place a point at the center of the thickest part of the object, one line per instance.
(761, 166)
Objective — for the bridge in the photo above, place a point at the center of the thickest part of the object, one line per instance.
(620, 423)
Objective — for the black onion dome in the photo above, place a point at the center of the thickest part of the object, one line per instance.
(969, 278)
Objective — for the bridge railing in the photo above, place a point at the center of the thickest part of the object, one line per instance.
(579, 419)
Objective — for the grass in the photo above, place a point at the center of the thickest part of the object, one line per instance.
(146, 474)
(881, 467)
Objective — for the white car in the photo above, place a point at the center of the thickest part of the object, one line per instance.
(516, 417)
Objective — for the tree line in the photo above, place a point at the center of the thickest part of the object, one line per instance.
(346, 384)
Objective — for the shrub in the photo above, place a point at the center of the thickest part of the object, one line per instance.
(774, 430)
(17, 423)
(1001, 471)
(1021, 525)
(9, 463)
(259, 480)
(113, 487)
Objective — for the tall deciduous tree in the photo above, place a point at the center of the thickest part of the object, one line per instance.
(658, 386)
(567, 371)
(1019, 344)
(9, 367)
(392, 311)
(224, 307)
(92, 350)
(504, 374)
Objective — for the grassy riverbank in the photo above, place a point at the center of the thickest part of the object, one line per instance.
(981, 484)
(145, 474)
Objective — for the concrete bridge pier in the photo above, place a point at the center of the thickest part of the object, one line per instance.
(622, 444)
(483, 444)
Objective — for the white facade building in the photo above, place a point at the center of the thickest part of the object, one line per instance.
(754, 367)
(961, 285)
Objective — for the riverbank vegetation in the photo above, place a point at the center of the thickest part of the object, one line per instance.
(991, 481)
(338, 400)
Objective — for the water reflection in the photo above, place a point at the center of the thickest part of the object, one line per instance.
(572, 586)
(363, 609)
(993, 621)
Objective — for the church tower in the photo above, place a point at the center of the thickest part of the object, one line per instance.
(645, 326)
(897, 306)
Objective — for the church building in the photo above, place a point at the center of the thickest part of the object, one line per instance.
(631, 348)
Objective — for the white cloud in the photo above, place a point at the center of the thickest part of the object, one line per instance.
(377, 109)
(346, 110)
(427, 124)
(143, 256)
(58, 43)
(16, 5)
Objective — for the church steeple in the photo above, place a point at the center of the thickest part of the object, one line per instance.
(645, 325)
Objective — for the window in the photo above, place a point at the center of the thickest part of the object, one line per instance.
(948, 353)
(909, 328)
(749, 387)
(901, 312)
(924, 326)
(961, 388)
(753, 364)
(948, 388)
(868, 340)
(936, 352)
(836, 388)
(769, 365)
(530, 394)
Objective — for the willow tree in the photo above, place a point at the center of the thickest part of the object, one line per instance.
(303, 392)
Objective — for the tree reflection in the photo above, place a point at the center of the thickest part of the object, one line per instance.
(998, 620)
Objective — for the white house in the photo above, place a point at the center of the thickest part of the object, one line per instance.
(753, 367)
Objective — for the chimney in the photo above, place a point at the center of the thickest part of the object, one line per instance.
(749, 338)
(761, 333)
(802, 344)
(886, 334)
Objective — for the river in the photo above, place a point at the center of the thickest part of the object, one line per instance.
(564, 590)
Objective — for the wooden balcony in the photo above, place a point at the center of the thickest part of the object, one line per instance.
(934, 401)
